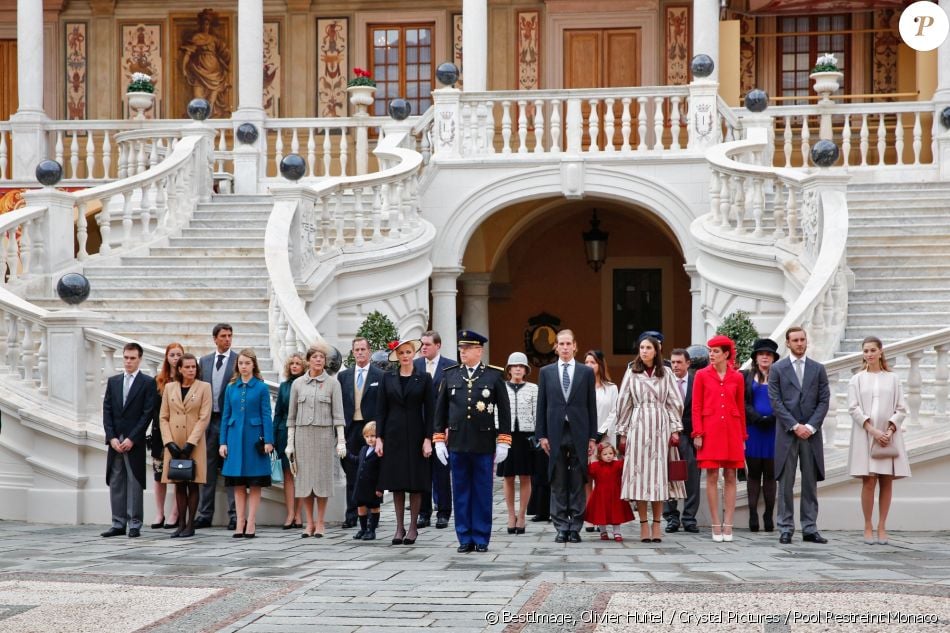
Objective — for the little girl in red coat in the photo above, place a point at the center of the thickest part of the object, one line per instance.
(605, 508)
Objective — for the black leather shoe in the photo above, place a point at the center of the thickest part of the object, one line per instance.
(785, 538)
(465, 548)
(573, 536)
(672, 528)
(767, 524)
(113, 532)
(441, 523)
(814, 537)
(561, 537)
(135, 533)
(349, 523)
(753, 523)
(232, 524)
(481, 548)
(422, 523)
(540, 518)
(692, 529)
(201, 522)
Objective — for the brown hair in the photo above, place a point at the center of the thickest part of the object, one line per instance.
(187, 356)
(290, 359)
(604, 446)
(880, 346)
(637, 365)
(436, 338)
(602, 372)
(249, 353)
(168, 373)
(792, 330)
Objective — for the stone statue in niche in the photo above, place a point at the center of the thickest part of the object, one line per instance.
(206, 62)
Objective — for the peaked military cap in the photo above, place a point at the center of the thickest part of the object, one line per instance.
(470, 337)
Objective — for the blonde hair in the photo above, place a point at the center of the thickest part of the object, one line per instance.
(290, 359)
(369, 428)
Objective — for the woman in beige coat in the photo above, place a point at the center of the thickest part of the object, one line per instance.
(186, 411)
(876, 404)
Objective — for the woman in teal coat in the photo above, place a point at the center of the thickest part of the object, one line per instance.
(247, 439)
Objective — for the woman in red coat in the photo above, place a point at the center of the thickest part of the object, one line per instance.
(719, 431)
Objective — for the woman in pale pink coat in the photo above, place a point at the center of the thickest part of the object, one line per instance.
(876, 404)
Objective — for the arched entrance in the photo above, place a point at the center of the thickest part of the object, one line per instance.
(528, 260)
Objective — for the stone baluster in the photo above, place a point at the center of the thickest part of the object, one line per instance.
(141, 161)
(145, 217)
(42, 363)
(279, 149)
(104, 220)
(917, 143)
(846, 140)
(290, 339)
(106, 155)
(26, 248)
(838, 433)
(466, 129)
(122, 169)
(13, 343)
(538, 126)
(881, 139)
(864, 140)
(344, 154)
(489, 127)
(714, 187)
(555, 126)
(358, 217)
(738, 203)
(4, 155)
(28, 352)
(778, 210)
(791, 215)
(899, 138)
(340, 240)
(82, 231)
(4, 330)
(806, 145)
(642, 123)
(675, 116)
(941, 379)
(399, 209)
(327, 152)
(325, 225)
(575, 122)
(609, 125)
(658, 122)
(787, 141)
(522, 126)
(311, 152)
(625, 125)
(506, 127)
(914, 385)
(90, 155)
(377, 236)
(725, 200)
(757, 202)
(74, 156)
(161, 204)
(593, 126)
(59, 148)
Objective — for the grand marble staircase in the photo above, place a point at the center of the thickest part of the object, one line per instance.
(213, 271)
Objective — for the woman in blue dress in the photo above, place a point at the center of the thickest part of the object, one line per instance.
(246, 440)
(760, 425)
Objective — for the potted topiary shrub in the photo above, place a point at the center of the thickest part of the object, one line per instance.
(740, 328)
(379, 330)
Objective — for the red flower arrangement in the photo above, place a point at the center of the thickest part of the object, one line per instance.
(363, 78)
(392, 344)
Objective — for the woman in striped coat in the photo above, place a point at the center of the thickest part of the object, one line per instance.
(649, 419)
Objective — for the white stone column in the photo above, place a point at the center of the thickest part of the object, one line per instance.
(250, 59)
(698, 326)
(705, 32)
(444, 284)
(29, 140)
(475, 44)
(942, 95)
(475, 306)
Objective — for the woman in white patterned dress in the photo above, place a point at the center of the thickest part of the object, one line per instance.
(649, 419)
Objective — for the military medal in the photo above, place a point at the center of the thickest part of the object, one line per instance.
(480, 405)
(485, 393)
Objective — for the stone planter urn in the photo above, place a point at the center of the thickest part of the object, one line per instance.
(826, 83)
(362, 97)
(139, 104)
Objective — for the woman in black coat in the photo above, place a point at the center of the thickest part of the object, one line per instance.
(404, 426)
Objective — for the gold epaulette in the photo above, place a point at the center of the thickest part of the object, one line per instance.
(452, 366)
(503, 438)
(501, 369)
(438, 437)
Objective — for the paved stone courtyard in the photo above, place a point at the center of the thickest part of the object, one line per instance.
(58, 578)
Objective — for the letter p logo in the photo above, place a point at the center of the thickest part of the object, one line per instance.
(924, 26)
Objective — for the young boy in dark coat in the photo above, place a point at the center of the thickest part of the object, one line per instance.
(365, 495)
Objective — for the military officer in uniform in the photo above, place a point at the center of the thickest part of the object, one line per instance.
(466, 440)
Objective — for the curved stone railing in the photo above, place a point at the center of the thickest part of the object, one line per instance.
(22, 243)
(312, 226)
(799, 219)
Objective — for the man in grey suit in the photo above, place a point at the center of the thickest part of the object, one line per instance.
(127, 408)
(679, 362)
(566, 426)
(217, 369)
(799, 393)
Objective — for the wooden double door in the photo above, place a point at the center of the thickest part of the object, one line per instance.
(603, 58)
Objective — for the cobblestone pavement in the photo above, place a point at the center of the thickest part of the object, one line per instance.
(279, 582)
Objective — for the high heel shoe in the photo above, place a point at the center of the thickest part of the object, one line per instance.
(656, 539)
(644, 540)
(158, 525)
(410, 541)
(726, 537)
(717, 537)
(398, 540)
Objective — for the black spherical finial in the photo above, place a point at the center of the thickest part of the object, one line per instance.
(756, 100)
(447, 73)
(73, 288)
(824, 153)
(702, 65)
(334, 361)
(293, 167)
(247, 133)
(945, 117)
(400, 109)
(199, 109)
(49, 172)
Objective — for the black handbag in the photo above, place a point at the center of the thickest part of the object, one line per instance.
(259, 445)
(181, 470)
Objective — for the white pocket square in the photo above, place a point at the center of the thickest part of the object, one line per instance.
(374, 384)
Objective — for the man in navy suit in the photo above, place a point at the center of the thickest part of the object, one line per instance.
(679, 362)
(433, 363)
(127, 408)
(799, 393)
(359, 386)
(217, 368)
(566, 426)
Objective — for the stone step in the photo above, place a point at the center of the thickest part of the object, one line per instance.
(183, 270)
(890, 228)
(202, 323)
(898, 307)
(200, 341)
(241, 200)
(879, 326)
(226, 218)
(223, 235)
(234, 253)
(896, 258)
(132, 310)
(231, 242)
(935, 319)
(889, 210)
(873, 292)
(932, 241)
(217, 281)
(926, 273)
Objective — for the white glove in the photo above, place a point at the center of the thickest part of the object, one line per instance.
(289, 451)
(341, 449)
(501, 453)
(442, 453)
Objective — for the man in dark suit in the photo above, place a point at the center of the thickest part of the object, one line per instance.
(359, 386)
(127, 408)
(433, 363)
(799, 393)
(566, 426)
(472, 396)
(217, 368)
(679, 362)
